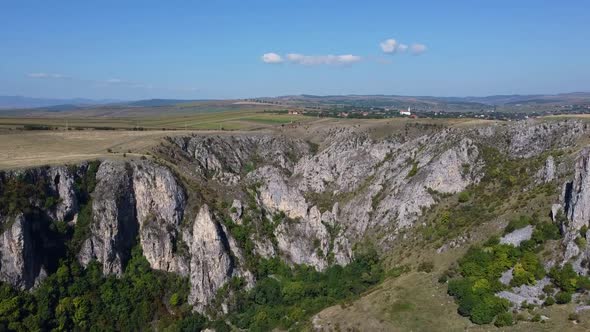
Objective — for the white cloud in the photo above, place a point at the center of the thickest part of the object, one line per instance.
(310, 60)
(389, 46)
(418, 49)
(271, 58)
(114, 80)
(46, 75)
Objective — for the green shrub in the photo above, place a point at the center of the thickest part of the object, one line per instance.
(476, 300)
(563, 297)
(464, 196)
(546, 231)
(581, 242)
(426, 267)
(533, 265)
(50, 202)
(583, 231)
(175, 300)
(82, 227)
(549, 301)
(521, 276)
(413, 171)
(504, 319)
(482, 314)
(549, 289)
(573, 316)
(565, 278)
(583, 283)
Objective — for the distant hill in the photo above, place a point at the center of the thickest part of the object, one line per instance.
(159, 102)
(432, 102)
(12, 102)
(56, 105)
(562, 98)
(505, 102)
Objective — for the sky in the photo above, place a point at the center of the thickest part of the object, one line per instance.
(238, 49)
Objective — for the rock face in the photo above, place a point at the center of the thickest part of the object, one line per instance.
(113, 228)
(531, 294)
(16, 261)
(548, 172)
(28, 248)
(577, 193)
(517, 236)
(62, 182)
(304, 203)
(211, 262)
(575, 206)
(160, 204)
(143, 200)
(527, 139)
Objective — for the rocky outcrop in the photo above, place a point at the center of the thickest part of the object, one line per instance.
(114, 227)
(28, 247)
(548, 172)
(211, 258)
(225, 158)
(144, 200)
(16, 254)
(531, 294)
(62, 183)
(159, 202)
(531, 138)
(576, 207)
(517, 236)
(577, 193)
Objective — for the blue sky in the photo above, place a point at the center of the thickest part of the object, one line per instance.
(215, 49)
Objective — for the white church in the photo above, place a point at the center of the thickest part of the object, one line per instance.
(408, 112)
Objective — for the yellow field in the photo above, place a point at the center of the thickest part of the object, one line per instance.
(34, 148)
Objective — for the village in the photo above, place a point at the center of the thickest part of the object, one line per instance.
(384, 113)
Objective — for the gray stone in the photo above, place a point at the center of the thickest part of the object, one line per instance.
(526, 293)
(517, 236)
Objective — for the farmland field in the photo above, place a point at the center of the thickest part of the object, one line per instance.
(35, 148)
(234, 120)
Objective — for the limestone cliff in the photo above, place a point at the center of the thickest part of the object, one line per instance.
(302, 202)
